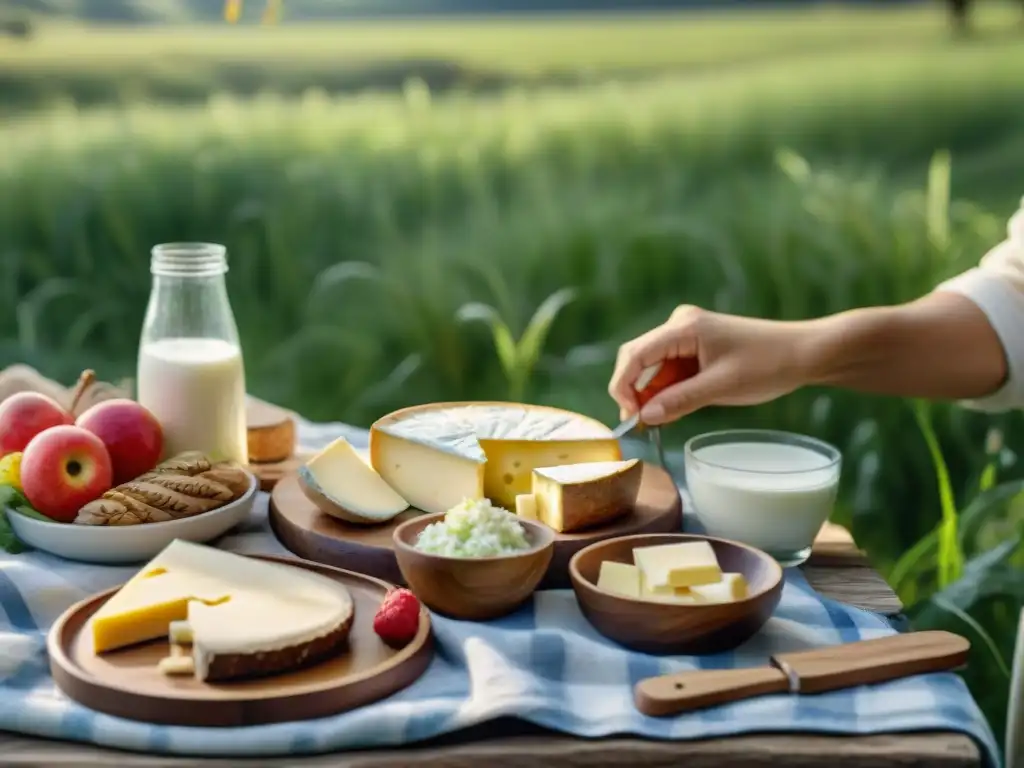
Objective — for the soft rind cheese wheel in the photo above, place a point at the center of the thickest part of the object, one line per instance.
(436, 455)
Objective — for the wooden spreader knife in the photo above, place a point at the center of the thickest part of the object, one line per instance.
(805, 672)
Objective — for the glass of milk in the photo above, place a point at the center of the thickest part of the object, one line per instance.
(771, 490)
(190, 372)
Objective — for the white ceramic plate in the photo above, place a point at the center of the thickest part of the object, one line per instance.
(115, 544)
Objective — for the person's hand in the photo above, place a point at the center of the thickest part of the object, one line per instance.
(742, 361)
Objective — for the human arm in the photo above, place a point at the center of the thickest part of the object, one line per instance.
(963, 341)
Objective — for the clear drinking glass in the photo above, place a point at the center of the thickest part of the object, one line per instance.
(771, 490)
(190, 370)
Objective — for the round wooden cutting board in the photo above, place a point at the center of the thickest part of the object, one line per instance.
(126, 683)
(311, 534)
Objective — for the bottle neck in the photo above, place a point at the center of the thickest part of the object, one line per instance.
(189, 298)
(189, 260)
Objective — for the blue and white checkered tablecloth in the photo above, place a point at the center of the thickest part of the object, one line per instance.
(544, 664)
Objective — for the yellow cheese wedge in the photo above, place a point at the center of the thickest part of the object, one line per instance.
(731, 588)
(577, 496)
(686, 564)
(619, 579)
(526, 506)
(234, 607)
(436, 455)
(343, 485)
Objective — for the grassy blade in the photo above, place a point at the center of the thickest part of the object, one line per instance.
(950, 555)
(531, 343)
(918, 558)
(979, 630)
(939, 172)
(501, 335)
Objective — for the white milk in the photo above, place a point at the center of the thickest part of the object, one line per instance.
(196, 389)
(773, 496)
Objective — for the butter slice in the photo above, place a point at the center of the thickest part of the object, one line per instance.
(619, 579)
(526, 506)
(666, 594)
(731, 588)
(687, 564)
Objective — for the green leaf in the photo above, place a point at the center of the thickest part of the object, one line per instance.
(531, 343)
(504, 343)
(9, 543)
(914, 563)
(992, 517)
(979, 630)
(950, 554)
(986, 575)
(938, 197)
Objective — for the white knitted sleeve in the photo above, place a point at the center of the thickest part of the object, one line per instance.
(996, 285)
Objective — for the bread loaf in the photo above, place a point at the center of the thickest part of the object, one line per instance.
(183, 486)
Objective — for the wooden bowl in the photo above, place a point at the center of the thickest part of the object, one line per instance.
(657, 627)
(475, 589)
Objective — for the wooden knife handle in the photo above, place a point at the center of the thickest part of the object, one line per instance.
(684, 691)
(875, 661)
(826, 669)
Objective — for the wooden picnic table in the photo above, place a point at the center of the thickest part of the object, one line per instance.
(837, 570)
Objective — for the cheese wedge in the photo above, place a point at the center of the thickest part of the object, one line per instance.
(244, 617)
(577, 496)
(343, 485)
(526, 506)
(436, 455)
(619, 579)
(686, 564)
(731, 588)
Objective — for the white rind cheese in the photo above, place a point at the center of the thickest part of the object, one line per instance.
(343, 485)
(577, 496)
(437, 455)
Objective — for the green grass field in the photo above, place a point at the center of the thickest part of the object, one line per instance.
(774, 166)
(94, 65)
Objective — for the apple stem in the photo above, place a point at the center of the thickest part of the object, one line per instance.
(85, 381)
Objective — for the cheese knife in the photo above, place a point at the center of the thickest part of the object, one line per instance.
(805, 672)
(653, 380)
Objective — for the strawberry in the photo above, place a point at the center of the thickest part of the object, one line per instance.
(398, 618)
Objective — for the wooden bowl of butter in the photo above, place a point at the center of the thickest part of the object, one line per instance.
(676, 593)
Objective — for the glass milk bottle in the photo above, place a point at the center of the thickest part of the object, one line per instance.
(190, 372)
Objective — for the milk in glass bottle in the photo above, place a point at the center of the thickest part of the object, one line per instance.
(190, 361)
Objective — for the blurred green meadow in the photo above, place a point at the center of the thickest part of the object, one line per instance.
(391, 238)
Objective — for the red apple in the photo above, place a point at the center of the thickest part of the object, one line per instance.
(132, 435)
(62, 469)
(24, 415)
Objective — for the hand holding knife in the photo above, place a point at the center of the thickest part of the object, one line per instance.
(655, 379)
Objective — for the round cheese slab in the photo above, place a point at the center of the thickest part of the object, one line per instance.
(128, 683)
(311, 534)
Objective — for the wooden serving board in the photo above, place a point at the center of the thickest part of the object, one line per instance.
(127, 683)
(311, 534)
(271, 474)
